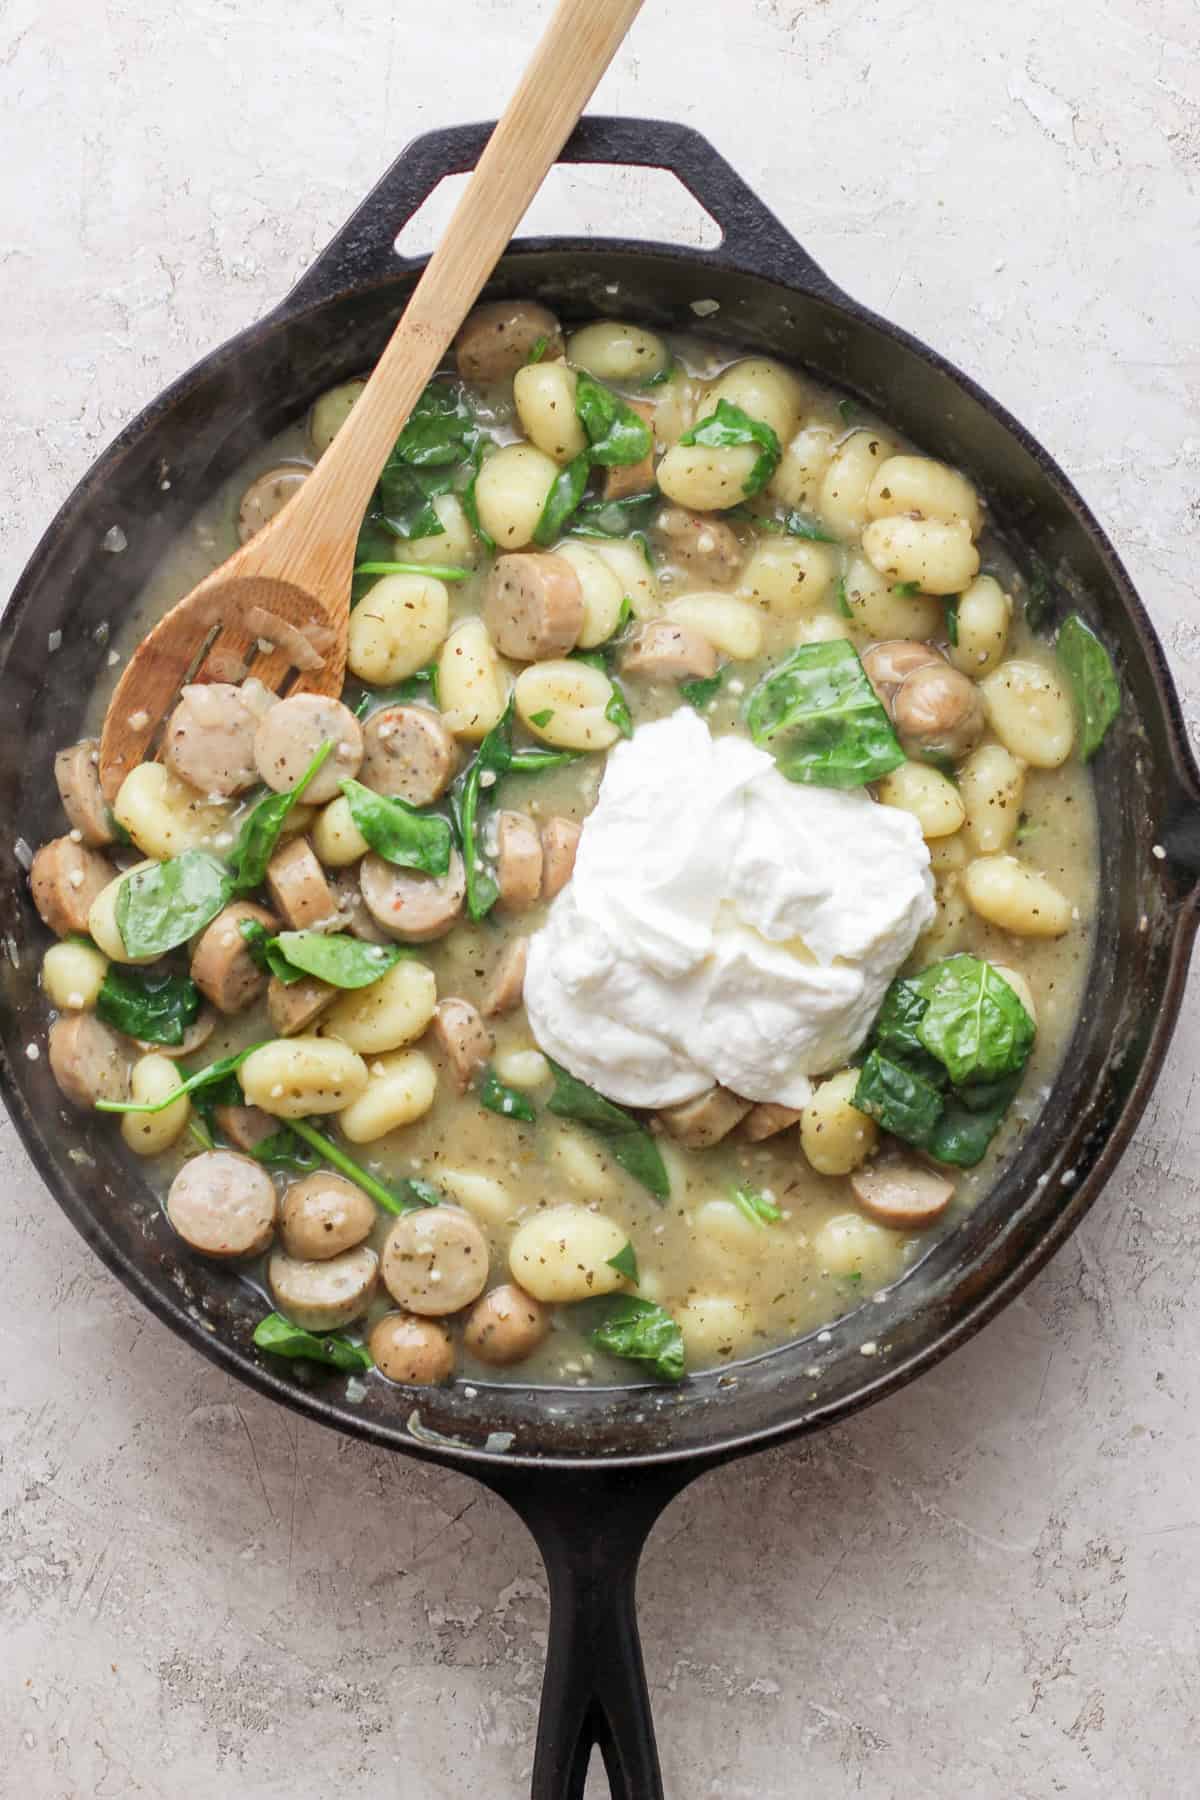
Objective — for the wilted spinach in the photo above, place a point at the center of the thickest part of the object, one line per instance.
(280, 1337)
(630, 1144)
(642, 1331)
(155, 1005)
(259, 835)
(822, 720)
(730, 428)
(404, 835)
(161, 907)
(1089, 669)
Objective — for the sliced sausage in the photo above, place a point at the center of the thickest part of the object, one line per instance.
(267, 495)
(560, 841)
(246, 1127)
(905, 1195)
(704, 545)
(323, 1216)
(768, 1120)
(508, 981)
(533, 605)
(633, 478)
(88, 1061)
(417, 1352)
(290, 735)
(324, 1296)
(661, 651)
(497, 338)
(223, 1204)
(410, 906)
(209, 739)
(77, 772)
(64, 878)
(700, 1123)
(506, 1326)
(293, 1005)
(886, 665)
(408, 751)
(938, 712)
(222, 966)
(464, 1037)
(518, 860)
(352, 909)
(195, 1036)
(435, 1261)
(298, 888)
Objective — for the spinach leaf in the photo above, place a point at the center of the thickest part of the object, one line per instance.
(848, 409)
(420, 686)
(970, 1121)
(215, 1075)
(973, 1022)
(281, 1338)
(616, 433)
(161, 907)
(642, 1331)
(152, 1004)
(757, 1208)
(264, 951)
(441, 435)
(625, 1263)
(497, 757)
(1093, 680)
(819, 715)
(631, 1144)
(617, 711)
(615, 518)
(660, 376)
(411, 1193)
(341, 960)
(906, 590)
(1039, 596)
(402, 834)
(284, 1150)
(703, 691)
(470, 502)
(899, 1099)
(896, 1030)
(537, 350)
(842, 602)
(260, 831)
(728, 428)
(509, 1102)
(566, 491)
(951, 604)
(799, 525)
(436, 571)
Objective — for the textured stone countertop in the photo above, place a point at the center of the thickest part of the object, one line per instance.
(989, 1585)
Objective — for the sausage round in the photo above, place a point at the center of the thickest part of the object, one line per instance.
(560, 841)
(904, 1195)
(293, 1005)
(222, 966)
(533, 606)
(435, 1261)
(246, 1127)
(495, 340)
(223, 1204)
(508, 980)
(666, 651)
(889, 664)
(65, 878)
(298, 888)
(267, 495)
(463, 1036)
(209, 740)
(290, 735)
(77, 773)
(410, 906)
(416, 1352)
(702, 544)
(704, 1121)
(324, 1215)
(88, 1061)
(352, 909)
(408, 751)
(506, 1326)
(938, 711)
(324, 1296)
(518, 860)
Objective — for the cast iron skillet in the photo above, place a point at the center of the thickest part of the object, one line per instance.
(589, 1471)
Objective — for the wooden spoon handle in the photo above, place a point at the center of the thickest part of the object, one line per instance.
(579, 43)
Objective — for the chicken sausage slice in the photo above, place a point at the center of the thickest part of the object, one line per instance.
(768, 1120)
(496, 339)
(507, 987)
(246, 1127)
(223, 1204)
(410, 906)
(417, 1352)
(533, 605)
(700, 1123)
(662, 651)
(623, 479)
(888, 664)
(352, 909)
(518, 860)
(506, 1326)
(290, 735)
(209, 740)
(222, 966)
(464, 1037)
(293, 1005)
(64, 878)
(267, 495)
(704, 545)
(905, 1195)
(324, 1296)
(298, 888)
(77, 772)
(560, 841)
(323, 1216)
(435, 1261)
(408, 751)
(88, 1061)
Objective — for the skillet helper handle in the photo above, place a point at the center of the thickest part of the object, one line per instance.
(591, 1530)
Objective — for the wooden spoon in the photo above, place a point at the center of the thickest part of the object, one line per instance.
(293, 577)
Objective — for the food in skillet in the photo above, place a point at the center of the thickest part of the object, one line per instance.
(674, 924)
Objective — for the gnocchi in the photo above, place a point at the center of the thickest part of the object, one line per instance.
(471, 682)
(153, 1078)
(612, 350)
(511, 491)
(1029, 711)
(1008, 893)
(397, 628)
(388, 1014)
(545, 399)
(399, 1089)
(293, 1077)
(566, 704)
(565, 1253)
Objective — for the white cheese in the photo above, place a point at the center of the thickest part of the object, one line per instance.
(723, 924)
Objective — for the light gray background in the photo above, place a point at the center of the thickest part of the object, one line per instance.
(987, 1586)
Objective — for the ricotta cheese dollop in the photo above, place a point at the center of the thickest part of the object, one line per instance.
(723, 924)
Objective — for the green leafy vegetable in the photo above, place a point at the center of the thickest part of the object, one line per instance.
(616, 433)
(411, 1195)
(899, 1099)
(703, 691)
(402, 834)
(973, 1022)
(542, 718)
(281, 1338)
(617, 710)
(799, 525)
(566, 491)
(970, 1120)
(260, 831)
(436, 571)
(470, 503)
(625, 1263)
(906, 590)
(615, 518)
(757, 1208)
(631, 1144)
(284, 1150)
(842, 602)
(421, 685)
(509, 1102)
(440, 438)
(666, 373)
(160, 907)
(1039, 596)
(263, 951)
(215, 1075)
(495, 756)
(729, 428)
(952, 618)
(1026, 828)
(848, 409)
(641, 1331)
(341, 960)
(819, 715)
(153, 1004)
(1089, 669)
(537, 350)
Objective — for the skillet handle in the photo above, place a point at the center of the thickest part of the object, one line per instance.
(591, 1530)
(754, 240)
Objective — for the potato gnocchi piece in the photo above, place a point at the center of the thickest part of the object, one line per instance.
(764, 389)
(397, 628)
(582, 1164)
(834, 1135)
(602, 592)
(1019, 899)
(483, 1196)
(471, 682)
(878, 609)
(939, 557)
(563, 704)
(983, 615)
(714, 1326)
(639, 583)
(991, 784)
(400, 1088)
(163, 815)
(388, 1014)
(842, 497)
(336, 838)
(72, 976)
(801, 469)
(930, 796)
(152, 1078)
(789, 576)
(292, 1077)
(920, 487)
(848, 1244)
(455, 543)
(611, 350)
(1030, 712)
(705, 478)
(510, 492)
(544, 393)
(731, 626)
(330, 413)
(563, 1254)
(102, 919)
